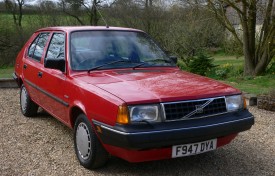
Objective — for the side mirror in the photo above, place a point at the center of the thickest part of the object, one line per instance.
(174, 59)
(54, 63)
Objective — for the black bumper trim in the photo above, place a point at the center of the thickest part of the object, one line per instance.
(162, 131)
(148, 136)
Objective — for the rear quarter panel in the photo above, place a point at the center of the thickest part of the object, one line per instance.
(18, 68)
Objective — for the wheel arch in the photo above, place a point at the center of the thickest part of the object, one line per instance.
(19, 82)
(75, 111)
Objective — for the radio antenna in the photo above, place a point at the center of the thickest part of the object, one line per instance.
(107, 26)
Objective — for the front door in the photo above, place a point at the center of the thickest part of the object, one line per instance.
(55, 81)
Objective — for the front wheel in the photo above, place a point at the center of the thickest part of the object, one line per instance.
(28, 107)
(88, 148)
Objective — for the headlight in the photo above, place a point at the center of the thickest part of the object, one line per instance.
(234, 103)
(148, 113)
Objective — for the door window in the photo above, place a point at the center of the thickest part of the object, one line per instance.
(56, 47)
(37, 47)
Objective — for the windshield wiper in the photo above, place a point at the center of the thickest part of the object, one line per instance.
(108, 63)
(156, 60)
(138, 65)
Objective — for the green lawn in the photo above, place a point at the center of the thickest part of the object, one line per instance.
(6, 72)
(221, 59)
(256, 85)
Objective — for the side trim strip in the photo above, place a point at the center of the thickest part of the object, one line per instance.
(161, 131)
(48, 94)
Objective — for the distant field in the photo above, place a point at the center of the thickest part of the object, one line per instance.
(225, 59)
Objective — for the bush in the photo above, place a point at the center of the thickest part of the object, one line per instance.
(271, 68)
(201, 64)
(232, 47)
(226, 71)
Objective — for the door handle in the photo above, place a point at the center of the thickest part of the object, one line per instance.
(40, 74)
(25, 66)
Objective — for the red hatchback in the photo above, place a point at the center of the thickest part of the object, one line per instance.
(124, 96)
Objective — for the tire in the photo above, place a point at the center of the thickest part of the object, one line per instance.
(28, 107)
(88, 148)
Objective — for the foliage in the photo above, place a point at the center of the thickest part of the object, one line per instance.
(271, 68)
(226, 71)
(201, 64)
(258, 46)
(232, 47)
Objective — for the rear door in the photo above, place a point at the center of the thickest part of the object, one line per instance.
(32, 66)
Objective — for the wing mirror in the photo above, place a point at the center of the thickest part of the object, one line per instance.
(55, 63)
(174, 59)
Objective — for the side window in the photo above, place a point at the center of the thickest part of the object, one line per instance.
(56, 47)
(37, 47)
(32, 47)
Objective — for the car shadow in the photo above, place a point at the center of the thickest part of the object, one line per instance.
(229, 160)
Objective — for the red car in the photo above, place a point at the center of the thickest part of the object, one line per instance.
(124, 96)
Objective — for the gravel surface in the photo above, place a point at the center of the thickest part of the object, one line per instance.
(44, 146)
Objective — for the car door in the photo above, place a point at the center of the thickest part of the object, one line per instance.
(32, 66)
(55, 81)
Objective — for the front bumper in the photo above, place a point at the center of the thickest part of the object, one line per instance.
(160, 135)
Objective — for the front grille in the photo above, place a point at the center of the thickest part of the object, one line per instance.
(193, 109)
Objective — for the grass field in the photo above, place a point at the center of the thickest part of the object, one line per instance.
(221, 59)
(256, 85)
(6, 72)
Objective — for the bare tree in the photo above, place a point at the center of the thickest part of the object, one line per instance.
(16, 8)
(75, 9)
(258, 49)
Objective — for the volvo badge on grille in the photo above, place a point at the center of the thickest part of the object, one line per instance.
(199, 109)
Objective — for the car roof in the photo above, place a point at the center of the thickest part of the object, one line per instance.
(69, 29)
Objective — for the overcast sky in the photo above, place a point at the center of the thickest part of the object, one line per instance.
(32, 2)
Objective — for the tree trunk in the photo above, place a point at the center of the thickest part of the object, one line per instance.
(258, 51)
(20, 15)
(93, 15)
(262, 64)
(249, 34)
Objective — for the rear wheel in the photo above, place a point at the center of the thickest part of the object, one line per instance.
(88, 148)
(28, 107)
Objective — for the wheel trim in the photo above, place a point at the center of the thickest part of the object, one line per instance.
(24, 99)
(83, 141)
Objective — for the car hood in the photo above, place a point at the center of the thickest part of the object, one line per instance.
(156, 85)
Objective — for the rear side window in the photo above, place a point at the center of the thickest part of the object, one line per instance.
(37, 47)
(56, 47)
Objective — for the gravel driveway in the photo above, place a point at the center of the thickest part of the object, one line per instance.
(44, 146)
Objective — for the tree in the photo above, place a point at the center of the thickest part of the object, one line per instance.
(258, 48)
(76, 7)
(16, 8)
(191, 30)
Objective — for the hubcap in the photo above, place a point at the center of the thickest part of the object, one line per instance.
(24, 99)
(83, 141)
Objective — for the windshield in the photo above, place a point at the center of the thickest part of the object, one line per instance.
(91, 50)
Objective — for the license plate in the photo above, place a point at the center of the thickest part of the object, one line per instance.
(194, 148)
